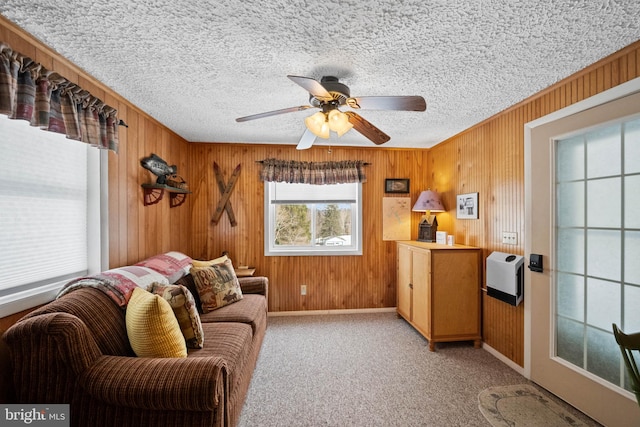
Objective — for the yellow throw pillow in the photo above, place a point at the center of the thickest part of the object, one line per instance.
(152, 328)
(202, 264)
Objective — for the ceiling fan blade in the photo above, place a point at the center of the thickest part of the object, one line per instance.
(307, 140)
(399, 103)
(273, 113)
(367, 129)
(313, 87)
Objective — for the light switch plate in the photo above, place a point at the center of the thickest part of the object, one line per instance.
(509, 238)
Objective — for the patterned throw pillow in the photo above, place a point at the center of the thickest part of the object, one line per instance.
(152, 328)
(172, 265)
(199, 264)
(184, 307)
(217, 285)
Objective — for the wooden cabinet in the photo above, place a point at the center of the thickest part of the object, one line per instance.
(439, 290)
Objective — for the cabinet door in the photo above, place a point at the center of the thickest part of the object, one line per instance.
(456, 293)
(421, 280)
(404, 281)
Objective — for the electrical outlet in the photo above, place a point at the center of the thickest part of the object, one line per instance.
(303, 289)
(509, 238)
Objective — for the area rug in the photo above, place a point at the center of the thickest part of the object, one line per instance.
(522, 405)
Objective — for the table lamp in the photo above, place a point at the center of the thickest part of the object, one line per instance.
(428, 201)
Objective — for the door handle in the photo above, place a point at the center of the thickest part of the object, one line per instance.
(535, 263)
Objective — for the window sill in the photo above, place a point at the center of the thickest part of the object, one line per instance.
(301, 252)
(15, 303)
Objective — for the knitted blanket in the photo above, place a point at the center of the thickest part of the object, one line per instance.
(117, 283)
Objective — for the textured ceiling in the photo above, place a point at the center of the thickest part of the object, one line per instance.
(196, 66)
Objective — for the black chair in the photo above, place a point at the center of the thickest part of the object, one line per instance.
(628, 344)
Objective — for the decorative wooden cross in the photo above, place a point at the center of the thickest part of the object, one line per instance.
(226, 189)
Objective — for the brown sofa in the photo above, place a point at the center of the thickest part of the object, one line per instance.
(75, 350)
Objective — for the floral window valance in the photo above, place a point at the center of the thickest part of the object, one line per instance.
(318, 173)
(28, 91)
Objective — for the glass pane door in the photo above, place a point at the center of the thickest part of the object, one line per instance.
(597, 183)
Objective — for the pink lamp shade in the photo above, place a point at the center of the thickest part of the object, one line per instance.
(428, 201)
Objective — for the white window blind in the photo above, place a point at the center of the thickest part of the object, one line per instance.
(317, 220)
(284, 192)
(44, 199)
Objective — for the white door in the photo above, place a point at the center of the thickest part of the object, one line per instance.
(582, 213)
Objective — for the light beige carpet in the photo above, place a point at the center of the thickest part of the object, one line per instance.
(522, 406)
(369, 370)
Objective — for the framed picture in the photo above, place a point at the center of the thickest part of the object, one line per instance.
(467, 206)
(395, 185)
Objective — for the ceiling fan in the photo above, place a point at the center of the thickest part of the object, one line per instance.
(329, 94)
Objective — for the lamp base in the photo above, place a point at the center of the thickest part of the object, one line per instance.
(427, 228)
(427, 232)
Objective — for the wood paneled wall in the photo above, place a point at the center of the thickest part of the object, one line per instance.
(342, 282)
(489, 159)
(135, 231)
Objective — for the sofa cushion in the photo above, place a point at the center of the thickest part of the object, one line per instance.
(249, 310)
(232, 342)
(173, 265)
(217, 285)
(152, 328)
(184, 308)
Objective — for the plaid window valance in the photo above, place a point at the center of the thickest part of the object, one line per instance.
(319, 173)
(28, 91)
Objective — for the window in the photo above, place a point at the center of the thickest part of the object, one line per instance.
(305, 219)
(50, 225)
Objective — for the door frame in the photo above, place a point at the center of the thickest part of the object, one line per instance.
(610, 95)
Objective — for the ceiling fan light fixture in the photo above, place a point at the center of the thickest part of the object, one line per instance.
(329, 94)
(318, 125)
(339, 122)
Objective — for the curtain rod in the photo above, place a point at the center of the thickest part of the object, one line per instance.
(363, 164)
